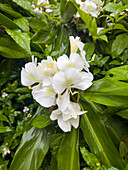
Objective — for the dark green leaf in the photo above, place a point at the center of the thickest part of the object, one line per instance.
(124, 149)
(68, 12)
(119, 44)
(123, 113)
(98, 139)
(41, 121)
(10, 49)
(3, 118)
(68, 154)
(10, 11)
(89, 48)
(62, 41)
(32, 150)
(44, 36)
(7, 22)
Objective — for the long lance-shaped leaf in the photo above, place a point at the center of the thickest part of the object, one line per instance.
(98, 139)
(32, 150)
(68, 154)
(108, 92)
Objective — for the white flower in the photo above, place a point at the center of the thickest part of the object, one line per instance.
(74, 61)
(29, 74)
(75, 44)
(89, 7)
(48, 67)
(68, 118)
(45, 95)
(67, 79)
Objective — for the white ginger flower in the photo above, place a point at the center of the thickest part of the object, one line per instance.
(68, 118)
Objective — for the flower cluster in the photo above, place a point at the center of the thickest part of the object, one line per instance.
(55, 82)
(91, 7)
(39, 9)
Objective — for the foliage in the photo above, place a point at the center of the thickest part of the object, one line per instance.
(101, 141)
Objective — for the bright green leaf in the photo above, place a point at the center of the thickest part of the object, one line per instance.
(41, 121)
(22, 39)
(68, 154)
(22, 23)
(118, 73)
(119, 44)
(123, 113)
(108, 92)
(5, 129)
(32, 150)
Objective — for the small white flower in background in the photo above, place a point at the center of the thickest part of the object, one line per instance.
(26, 109)
(57, 81)
(6, 151)
(4, 94)
(91, 7)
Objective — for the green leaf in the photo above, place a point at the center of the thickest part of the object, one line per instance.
(22, 23)
(10, 49)
(89, 48)
(102, 37)
(119, 44)
(22, 39)
(62, 41)
(123, 113)
(97, 138)
(44, 36)
(37, 24)
(41, 121)
(55, 141)
(68, 154)
(25, 4)
(5, 129)
(32, 150)
(118, 73)
(3, 118)
(116, 127)
(7, 22)
(68, 12)
(90, 158)
(9, 10)
(108, 92)
(62, 6)
(124, 149)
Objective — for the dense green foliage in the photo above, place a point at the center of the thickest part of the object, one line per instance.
(35, 142)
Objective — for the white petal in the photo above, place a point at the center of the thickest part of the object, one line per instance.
(58, 80)
(62, 61)
(63, 102)
(54, 115)
(45, 97)
(75, 122)
(64, 125)
(29, 74)
(79, 63)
